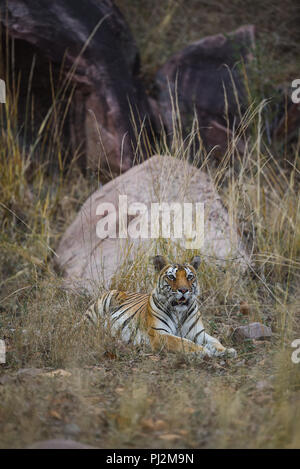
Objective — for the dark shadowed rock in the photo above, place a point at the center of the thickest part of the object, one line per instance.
(254, 330)
(90, 42)
(60, 444)
(199, 74)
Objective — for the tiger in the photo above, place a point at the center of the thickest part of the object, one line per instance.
(168, 318)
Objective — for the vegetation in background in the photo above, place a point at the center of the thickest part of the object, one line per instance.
(109, 394)
(161, 28)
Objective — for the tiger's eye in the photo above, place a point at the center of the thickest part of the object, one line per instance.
(171, 277)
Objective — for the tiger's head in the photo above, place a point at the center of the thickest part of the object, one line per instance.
(177, 284)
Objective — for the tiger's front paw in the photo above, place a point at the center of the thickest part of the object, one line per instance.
(230, 353)
(220, 351)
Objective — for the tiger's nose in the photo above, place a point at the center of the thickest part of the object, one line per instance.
(182, 290)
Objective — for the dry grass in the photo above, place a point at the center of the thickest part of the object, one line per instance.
(116, 395)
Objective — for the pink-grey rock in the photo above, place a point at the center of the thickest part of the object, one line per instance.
(254, 330)
(263, 385)
(60, 443)
(90, 262)
(30, 372)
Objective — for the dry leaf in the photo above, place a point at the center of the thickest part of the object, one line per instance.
(154, 425)
(55, 414)
(169, 437)
(160, 425)
(191, 410)
(244, 308)
(148, 424)
(51, 374)
(259, 342)
(110, 355)
(154, 358)
(94, 399)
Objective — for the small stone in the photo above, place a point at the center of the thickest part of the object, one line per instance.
(261, 385)
(72, 429)
(240, 363)
(60, 443)
(254, 331)
(6, 379)
(29, 372)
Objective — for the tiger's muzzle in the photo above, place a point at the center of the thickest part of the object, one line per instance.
(182, 296)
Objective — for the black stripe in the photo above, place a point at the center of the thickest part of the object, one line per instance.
(130, 302)
(120, 315)
(104, 304)
(159, 329)
(160, 307)
(162, 320)
(188, 313)
(90, 319)
(130, 317)
(90, 310)
(193, 325)
(196, 336)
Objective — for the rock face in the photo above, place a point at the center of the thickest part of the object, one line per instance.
(254, 330)
(90, 261)
(84, 54)
(199, 74)
(90, 45)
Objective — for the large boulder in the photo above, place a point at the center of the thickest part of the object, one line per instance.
(200, 75)
(88, 49)
(90, 261)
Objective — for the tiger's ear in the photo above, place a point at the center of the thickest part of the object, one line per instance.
(159, 262)
(195, 262)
